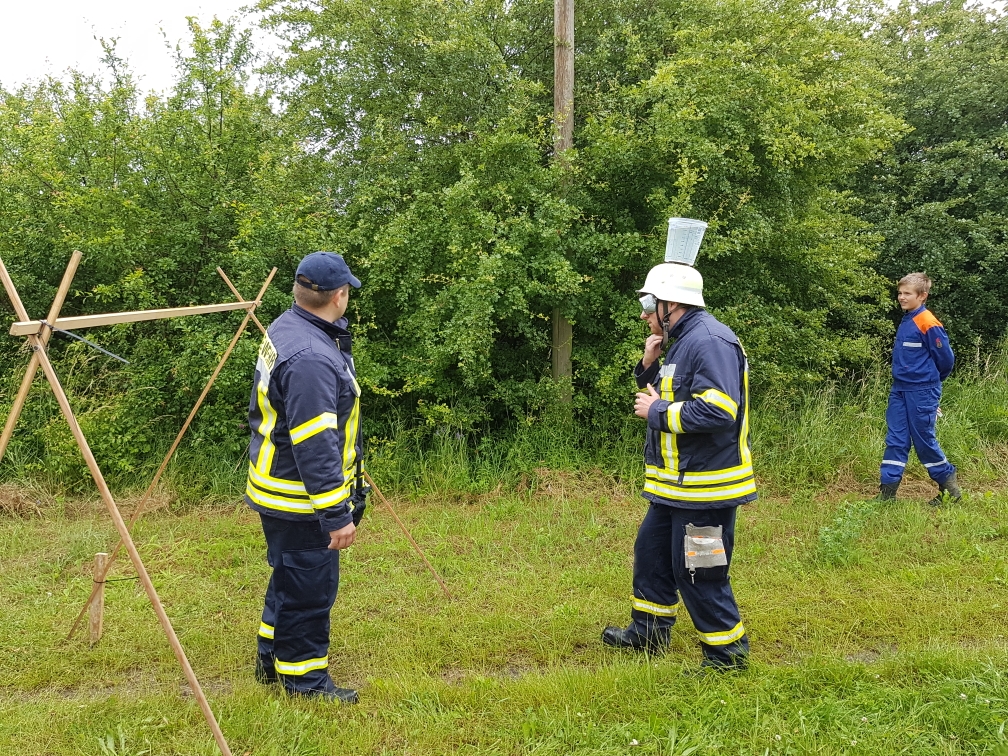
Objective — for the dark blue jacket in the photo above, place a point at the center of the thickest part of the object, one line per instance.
(697, 451)
(922, 355)
(305, 421)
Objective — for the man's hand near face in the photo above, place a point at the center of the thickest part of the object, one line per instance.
(652, 349)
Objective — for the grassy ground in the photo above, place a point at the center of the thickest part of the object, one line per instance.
(874, 630)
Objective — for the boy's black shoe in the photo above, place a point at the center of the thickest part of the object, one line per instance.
(619, 637)
(948, 490)
(265, 672)
(887, 492)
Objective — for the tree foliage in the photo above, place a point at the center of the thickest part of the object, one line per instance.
(940, 197)
(152, 196)
(416, 138)
(434, 122)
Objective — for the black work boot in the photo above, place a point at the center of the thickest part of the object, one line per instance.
(948, 490)
(887, 492)
(618, 637)
(330, 693)
(265, 672)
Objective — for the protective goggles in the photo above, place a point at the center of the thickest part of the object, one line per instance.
(649, 303)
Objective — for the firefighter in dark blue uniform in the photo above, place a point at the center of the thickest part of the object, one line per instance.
(698, 470)
(304, 473)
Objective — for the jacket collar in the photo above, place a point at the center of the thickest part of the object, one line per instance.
(336, 331)
(686, 322)
(914, 313)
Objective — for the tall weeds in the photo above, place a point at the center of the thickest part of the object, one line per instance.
(830, 437)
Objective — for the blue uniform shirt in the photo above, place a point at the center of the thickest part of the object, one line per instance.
(922, 355)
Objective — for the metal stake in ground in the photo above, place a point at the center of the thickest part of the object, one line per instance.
(175, 444)
(35, 341)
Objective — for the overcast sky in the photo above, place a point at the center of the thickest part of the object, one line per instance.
(40, 37)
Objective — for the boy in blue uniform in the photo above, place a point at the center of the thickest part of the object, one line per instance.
(922, 359)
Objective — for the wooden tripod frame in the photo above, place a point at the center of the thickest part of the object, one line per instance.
(37, 334)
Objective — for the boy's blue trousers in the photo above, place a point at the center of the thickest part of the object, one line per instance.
(911, 417)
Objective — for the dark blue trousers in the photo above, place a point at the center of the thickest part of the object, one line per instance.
(660, 577)
(294, 632)
(910, 419)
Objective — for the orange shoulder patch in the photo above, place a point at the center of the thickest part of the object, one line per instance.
(926, 320)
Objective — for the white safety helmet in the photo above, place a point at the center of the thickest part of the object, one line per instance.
(674, 282)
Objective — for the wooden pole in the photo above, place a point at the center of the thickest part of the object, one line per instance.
(98, 605)
(33, 363)
(409, 537)
(563, 116)
(239, 296)
(563, 74)
(64, 403)
(175, 444)
(29, 327)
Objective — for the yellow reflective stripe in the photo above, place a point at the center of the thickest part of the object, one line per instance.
(316, 425)
(744, 453)
(275, 501)
(723, 638)
(714, 493)
(659, 610)
(718, 476)
(719, 399)
(329, 498)
(265, 462)
(350, 440)
(667, 441)
(674, 418)
(700, 478)
(266, 631)
(301, 668)
(277, 484)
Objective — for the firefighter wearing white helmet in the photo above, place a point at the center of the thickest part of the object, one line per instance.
(698, 470)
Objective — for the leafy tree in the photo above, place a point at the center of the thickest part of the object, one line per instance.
(152, 195)
(941, 197)
(433, 120)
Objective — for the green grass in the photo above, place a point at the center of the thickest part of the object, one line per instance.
(875, 629)
(889, 639)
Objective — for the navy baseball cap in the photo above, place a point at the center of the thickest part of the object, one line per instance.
(324, 271)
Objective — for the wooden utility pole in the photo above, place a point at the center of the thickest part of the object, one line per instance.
(563, 115)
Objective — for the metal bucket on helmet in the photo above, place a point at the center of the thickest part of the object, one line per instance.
(684, 237)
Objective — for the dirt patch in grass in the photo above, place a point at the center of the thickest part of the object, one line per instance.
(579, 484)
(18, 502)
